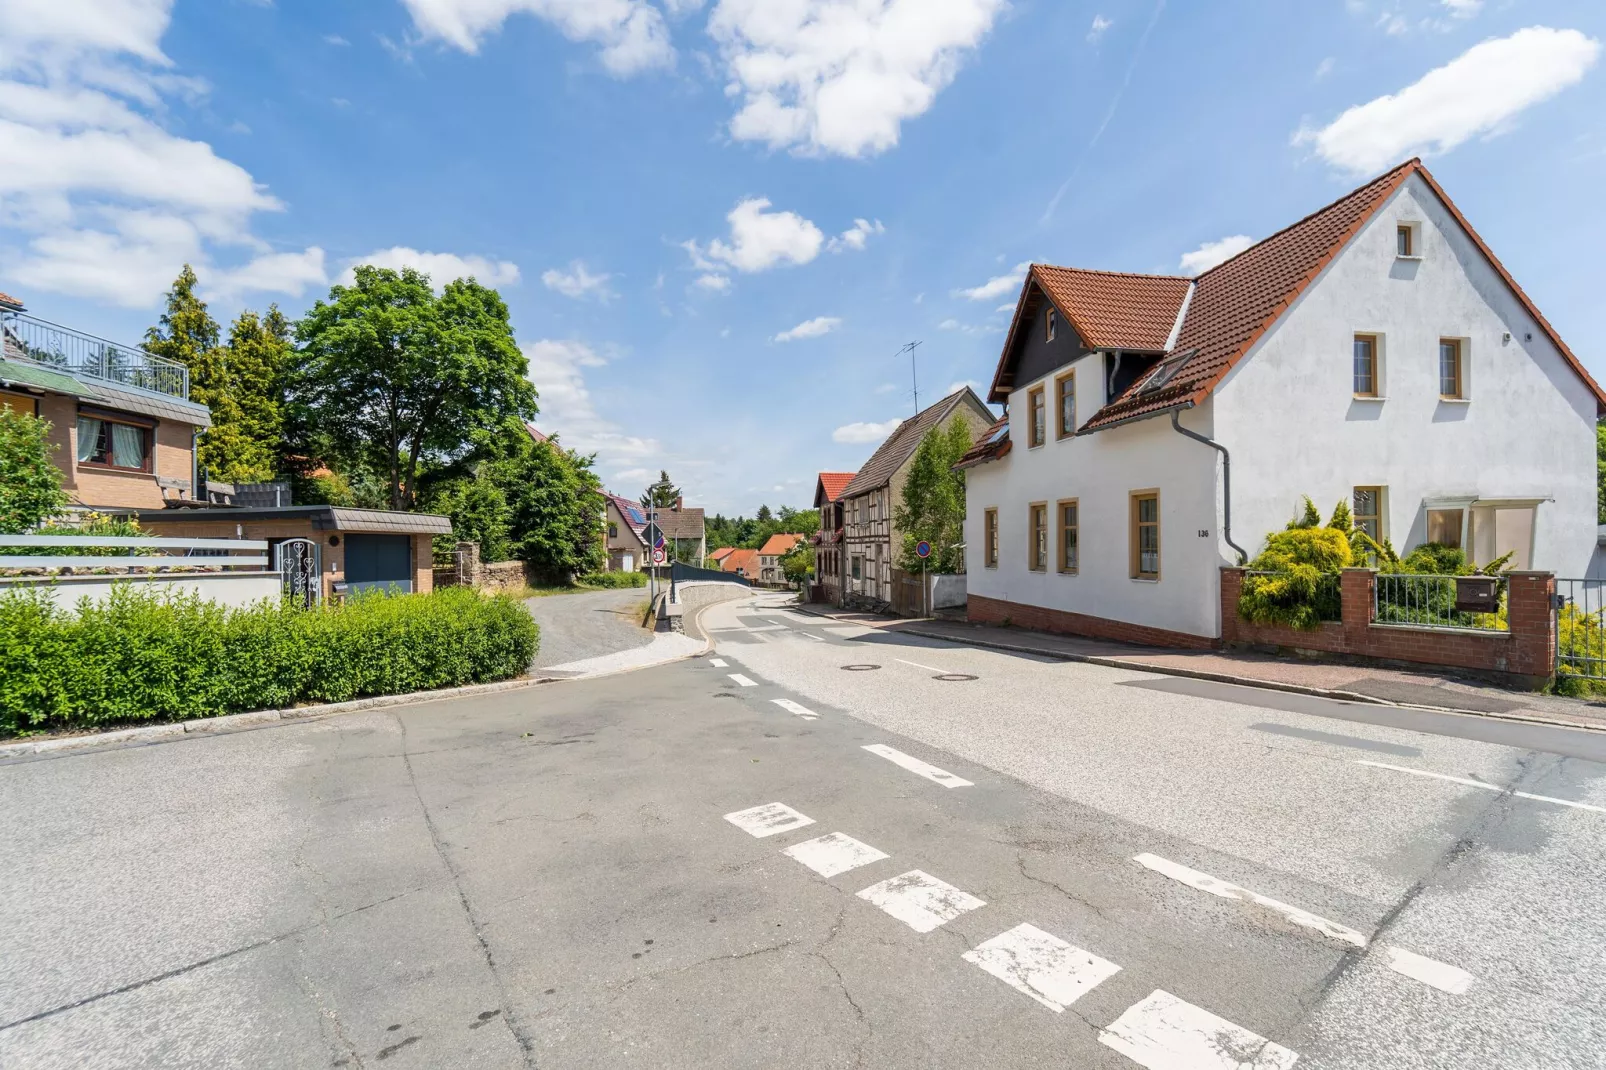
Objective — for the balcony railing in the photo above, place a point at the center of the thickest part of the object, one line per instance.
(85, 356)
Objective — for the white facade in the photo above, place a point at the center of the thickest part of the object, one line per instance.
(1512, 463)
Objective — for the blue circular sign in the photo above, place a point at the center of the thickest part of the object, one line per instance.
(923, 550)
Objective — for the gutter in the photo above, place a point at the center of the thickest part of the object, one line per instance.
(1226, 478)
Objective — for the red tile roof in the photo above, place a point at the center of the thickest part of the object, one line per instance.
(722, 553)
(779, 545)
(744, 560)
(830, 487)
(990, 445)
(1112, 309)
(10, 302)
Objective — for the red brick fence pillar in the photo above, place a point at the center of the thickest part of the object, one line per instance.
(1530, 608)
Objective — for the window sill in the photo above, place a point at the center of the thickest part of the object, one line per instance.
(1397, 256)
(113, 469)
(1145, 579)
(1454, 401)
(1368, 397)
(1070, 572)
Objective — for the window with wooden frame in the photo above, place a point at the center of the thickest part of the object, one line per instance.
(113, 440)
(1367, 512)
(1065, 404)
(1036, 422)
(19, 403)
(1051, 322)
(1452, 377)
(990, 538)
(1070, 543)
(1404, 240)
(1146, 535)
(1037, 537)
(1365, 366)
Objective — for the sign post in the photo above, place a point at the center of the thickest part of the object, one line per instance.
(923, 551)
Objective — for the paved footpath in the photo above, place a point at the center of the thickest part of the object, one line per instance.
(823, 846)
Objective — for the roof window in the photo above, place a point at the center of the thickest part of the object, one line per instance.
(1165, 371)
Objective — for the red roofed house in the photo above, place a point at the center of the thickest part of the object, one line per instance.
(743, 563)
(1374, 353)
(626, 544)
(770, 554)
(830, 566)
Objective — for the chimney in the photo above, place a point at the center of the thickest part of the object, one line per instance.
(678, 503)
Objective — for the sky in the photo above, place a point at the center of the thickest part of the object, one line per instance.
(718, 223)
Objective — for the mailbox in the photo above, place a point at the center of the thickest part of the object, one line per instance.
(1477, 594)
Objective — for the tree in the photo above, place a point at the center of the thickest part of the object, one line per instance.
(394, 375)
(662, 495)
(1600, 473)
(188, 335)
(798, 563)
(764, 514)
(933, 505)
(243, 444)
(555, 508)
(30, 483)
(479, 511)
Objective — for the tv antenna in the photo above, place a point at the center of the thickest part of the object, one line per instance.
(914, 373)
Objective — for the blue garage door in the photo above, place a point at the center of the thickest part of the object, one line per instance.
(379, 562)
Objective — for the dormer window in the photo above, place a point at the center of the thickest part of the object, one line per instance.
(1052, 320)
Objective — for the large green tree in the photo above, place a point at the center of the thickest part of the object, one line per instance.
(933, 503)
(30, 483)
(555, 509)
(396, 376)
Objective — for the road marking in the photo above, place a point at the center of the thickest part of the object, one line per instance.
(1216, 886)
(918, 767)
(1483, 784)
(834, 853)
(718, 663)
(816, 638)
(1444, 977)
(768, 820)
(744, 681)
(792, 707)
(1165, 1033)
(920, 900)
(917, 665)
(1043, 966)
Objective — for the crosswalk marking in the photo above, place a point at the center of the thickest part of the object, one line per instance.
(920, 900)
(918, 767)
(1486, 786)
(1445, 978)
(1216, 886)
(768, 820)
(744, 681)
(834, 853)
(792, 707)
(718, 663)
(1166, 1033)
(1043, 966)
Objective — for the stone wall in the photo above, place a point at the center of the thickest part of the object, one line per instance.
(470, 571)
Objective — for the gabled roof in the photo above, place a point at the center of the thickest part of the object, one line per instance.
(536, 436)
(680, 523)
(902, 443)
(830, 486)
(745, 560)
(630, 510)
(722, 553)
(990, 445)
(779, 545)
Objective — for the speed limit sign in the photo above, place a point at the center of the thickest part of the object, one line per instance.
(658, 556)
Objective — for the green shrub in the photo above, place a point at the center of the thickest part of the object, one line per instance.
(613, 580)
(1436, 559)
(141, 657)
(1301, 588)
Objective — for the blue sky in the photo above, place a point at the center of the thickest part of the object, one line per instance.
(717, 221)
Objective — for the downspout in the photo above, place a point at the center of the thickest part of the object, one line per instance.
(1226, 482)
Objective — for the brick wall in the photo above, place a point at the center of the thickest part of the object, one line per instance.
(99, 488)
(1526, 655)
(982, 610)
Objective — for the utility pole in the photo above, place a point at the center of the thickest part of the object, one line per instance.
(914, 372)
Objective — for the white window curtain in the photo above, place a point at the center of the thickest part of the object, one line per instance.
(88, 438)
(128, 446)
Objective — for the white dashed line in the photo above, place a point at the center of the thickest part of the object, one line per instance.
(1486, 786)
(920, 900)
(1165, 1033)
(1445, 978)
(718, 663)
(816, 638)
(1043, 966)
(918, 767)
(834, 853)
(792, 707)
(740, 679)
(1204, 882)
(928, 668)
(768, 820)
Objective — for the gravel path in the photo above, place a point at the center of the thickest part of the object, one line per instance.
(575, 627)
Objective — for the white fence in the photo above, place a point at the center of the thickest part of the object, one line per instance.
(234, 572)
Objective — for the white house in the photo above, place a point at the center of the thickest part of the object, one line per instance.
(1375, 352)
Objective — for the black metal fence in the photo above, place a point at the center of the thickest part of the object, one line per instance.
(1435, 601)
(1581, 628)
(679, 573)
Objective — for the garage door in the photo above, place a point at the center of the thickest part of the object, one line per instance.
(379, 562)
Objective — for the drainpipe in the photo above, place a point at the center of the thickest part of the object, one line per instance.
(1226, 482)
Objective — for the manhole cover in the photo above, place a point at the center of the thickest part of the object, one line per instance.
(860, 668)
(956, 677)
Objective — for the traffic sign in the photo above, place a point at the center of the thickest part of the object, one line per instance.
(923, 550)
(658, 555)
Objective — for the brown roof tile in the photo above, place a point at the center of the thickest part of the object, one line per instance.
(680, 523)
(779, 545)
(830, 487)
(991, 444)
(745, 560)
(902, 443)
(1113, 309)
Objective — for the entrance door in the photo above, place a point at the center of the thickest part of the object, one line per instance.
(379, 562)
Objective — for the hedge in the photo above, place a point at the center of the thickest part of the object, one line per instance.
(613, 580)
(137, 656)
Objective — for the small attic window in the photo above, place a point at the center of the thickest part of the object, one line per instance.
(1052, 320)
(1165, 371)
(1407, 244)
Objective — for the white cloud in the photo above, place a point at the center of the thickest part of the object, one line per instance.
(999, 285)
(558, 369)
(1100, 24)
(441, 268)
(855, 236)
(1463, 9)
(577, 282)
(1478, 93)
(1212, 253)
(1005, 308)
(62, 31)
(1324, 68)
(828, 76)
(814, 328)
(955, 387)
(759, 240)
(949, 325)
(632, 33)
(863, 432)
(714, 282)
(279, 273)
(335, 39)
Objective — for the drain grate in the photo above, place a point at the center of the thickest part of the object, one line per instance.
(860, 668)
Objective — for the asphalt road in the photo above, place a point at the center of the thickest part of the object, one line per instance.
(574, 876)
(578, 627)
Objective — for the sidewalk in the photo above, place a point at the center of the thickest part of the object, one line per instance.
(1327, 679)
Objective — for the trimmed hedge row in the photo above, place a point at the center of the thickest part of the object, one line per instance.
(142, 657)
(613, 580)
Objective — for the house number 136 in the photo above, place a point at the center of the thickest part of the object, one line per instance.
(1204, 533)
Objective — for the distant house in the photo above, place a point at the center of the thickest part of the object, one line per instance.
(743, 563)
(770, 554)
(870, 541)
(683, 531)
(830, 564)
(625, 538)
(719, 555)
(1374, 353)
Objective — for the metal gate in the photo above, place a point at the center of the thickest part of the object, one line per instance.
(1581, 628)
(297, 562)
